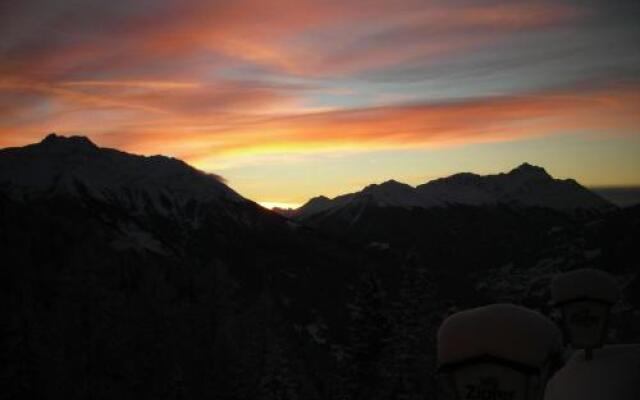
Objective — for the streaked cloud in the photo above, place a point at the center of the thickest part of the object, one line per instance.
(245, 82)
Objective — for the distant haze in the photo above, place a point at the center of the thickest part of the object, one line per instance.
(620, 196)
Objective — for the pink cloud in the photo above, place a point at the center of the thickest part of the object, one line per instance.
(151, 78)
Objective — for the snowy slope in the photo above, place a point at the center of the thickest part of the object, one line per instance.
(393, 194)
(74, 166)
(524, 186)
(463, 188)
(613, 373)
(314, 206)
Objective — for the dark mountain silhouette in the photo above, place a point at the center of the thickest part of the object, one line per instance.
(125, 276)
(75, 166)
(141, 277)
(313, 206)
(524, 186)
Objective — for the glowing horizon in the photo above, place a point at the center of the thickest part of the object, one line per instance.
(292, 100)
(285, 206)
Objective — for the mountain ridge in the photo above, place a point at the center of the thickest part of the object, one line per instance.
(65, 166)
(60, 165)
(526, 185)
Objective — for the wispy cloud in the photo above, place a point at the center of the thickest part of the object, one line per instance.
(221, 82)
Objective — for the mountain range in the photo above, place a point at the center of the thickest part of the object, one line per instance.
(524, 186)
(131, 277)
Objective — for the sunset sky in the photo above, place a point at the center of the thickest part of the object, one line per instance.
(291, 99)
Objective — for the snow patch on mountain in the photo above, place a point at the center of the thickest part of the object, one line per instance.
(74, 166)
(612, 373)
(314, 206)
(131, 237)
(526, 185)
(393, 193)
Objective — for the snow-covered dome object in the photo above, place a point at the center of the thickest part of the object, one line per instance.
(502, 331)
(613, 375)
(584, 284)
(501, 351)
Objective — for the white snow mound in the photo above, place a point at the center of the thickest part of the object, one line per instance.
(505, 331)
(584, 283)
(612, 374)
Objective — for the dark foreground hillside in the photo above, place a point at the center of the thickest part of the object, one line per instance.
(121, 293)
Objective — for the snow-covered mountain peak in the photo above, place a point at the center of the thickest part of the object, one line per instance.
(390, 186)
(462, 178)
(529, 171)
(392, 183)
(68, 142)
(392, 193)
(318, 199)
(526, 185)
(313, 206)
(74, 166)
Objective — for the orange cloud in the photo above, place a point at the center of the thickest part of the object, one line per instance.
(233, 138)
(152, 79)
(302, 37)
